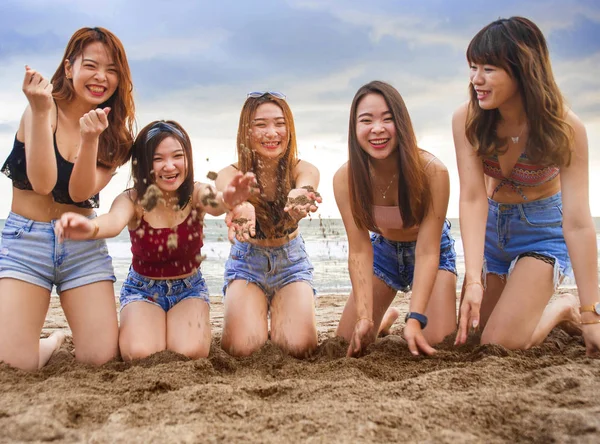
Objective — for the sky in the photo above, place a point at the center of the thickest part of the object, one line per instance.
(195, 61)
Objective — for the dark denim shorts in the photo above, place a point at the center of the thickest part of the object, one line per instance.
(394, 262)
(270, 268)
(30, 252)
(164, 293)
(530, 227)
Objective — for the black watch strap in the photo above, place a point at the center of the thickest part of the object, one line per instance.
(417, 316)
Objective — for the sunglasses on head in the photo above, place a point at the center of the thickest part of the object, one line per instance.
(257, 94)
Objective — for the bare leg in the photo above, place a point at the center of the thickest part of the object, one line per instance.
(522, 317)
(441, 309)
(143, 330)
(293, 323)
(562, 312)
(24, 308)
(382, 298)
(245, 325)
(92, 315)
(188, 328)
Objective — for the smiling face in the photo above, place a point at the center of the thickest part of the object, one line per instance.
(494, 87)
(169, 165)
(269, 133)
(94, 74)
(375, 128)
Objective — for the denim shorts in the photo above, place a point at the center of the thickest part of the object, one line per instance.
(164, 293)
(270, 268)
(530, 227)
(394, 262)
(30, 252)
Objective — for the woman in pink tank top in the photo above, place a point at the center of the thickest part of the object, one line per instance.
(164, 300)
(524, 201)
(400, 193)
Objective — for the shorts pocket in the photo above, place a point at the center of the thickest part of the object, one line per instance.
(296, 253)
(542, 217)
(239, 251)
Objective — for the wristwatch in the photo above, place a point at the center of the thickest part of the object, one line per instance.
(594, 308)
(418, 316)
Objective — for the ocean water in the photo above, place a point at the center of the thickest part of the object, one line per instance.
(326, 245)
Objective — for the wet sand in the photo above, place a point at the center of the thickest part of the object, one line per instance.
(468, 394)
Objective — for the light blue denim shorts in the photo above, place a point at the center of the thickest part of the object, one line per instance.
(270, 268)
(394, 262)
(164, 293)
(534, 227)
(30, 252)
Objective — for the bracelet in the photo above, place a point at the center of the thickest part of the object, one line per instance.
(96, 229)
(474, 283)
(590, 322)
(364, 318)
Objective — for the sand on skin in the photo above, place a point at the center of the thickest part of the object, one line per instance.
(468, 394)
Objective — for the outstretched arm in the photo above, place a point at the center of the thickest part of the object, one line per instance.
(304, 198)
(78, 227)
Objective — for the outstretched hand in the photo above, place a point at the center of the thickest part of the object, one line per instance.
(241, 222)
(239, 189)
(364, 334)
(301, 201)
(74, 226)
(469, 312)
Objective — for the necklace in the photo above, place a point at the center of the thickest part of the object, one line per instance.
(384, 192)
(515, 140)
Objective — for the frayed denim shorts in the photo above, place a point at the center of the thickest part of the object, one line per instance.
(30, 252)
(394, 262)
(270, 268)
(514, 230)
(164, 293)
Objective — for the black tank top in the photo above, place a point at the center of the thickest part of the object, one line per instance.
(15, 168)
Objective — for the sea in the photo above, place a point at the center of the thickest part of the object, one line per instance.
(326, 244)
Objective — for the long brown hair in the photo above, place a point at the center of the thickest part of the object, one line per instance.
(518, 46)
(248, 160)
(143, 154)
(114, 147)
(414, 195)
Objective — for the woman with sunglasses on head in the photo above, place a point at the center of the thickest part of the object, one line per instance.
(268, 270)
(523, 165)
(164, 299)
(398, 192)
(73, 135)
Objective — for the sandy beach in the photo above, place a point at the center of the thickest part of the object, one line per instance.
(468, 394)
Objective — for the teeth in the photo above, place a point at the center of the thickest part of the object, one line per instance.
(379, 141)
(96, 89)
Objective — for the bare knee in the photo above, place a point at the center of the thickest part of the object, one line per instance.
(299, 346)
(242, 345)
(504, 339)
(193, 351)
(23, 361)
(138, 350)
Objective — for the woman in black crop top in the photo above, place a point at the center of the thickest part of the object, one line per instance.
(268, 269)
(73, 135)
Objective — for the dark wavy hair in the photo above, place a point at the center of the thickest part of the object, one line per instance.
(414, 195)
(248, 161)
(114, 148)
(143, 154)
(518, 46)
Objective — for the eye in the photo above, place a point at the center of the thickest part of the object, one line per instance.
(365, 121)
(387, 119)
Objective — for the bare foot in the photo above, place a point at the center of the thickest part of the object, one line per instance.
(571, 323)
(49, 345)
(388, 320)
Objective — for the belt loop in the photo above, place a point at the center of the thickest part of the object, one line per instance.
(28, 225)
(150, 283)
(169, 286)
